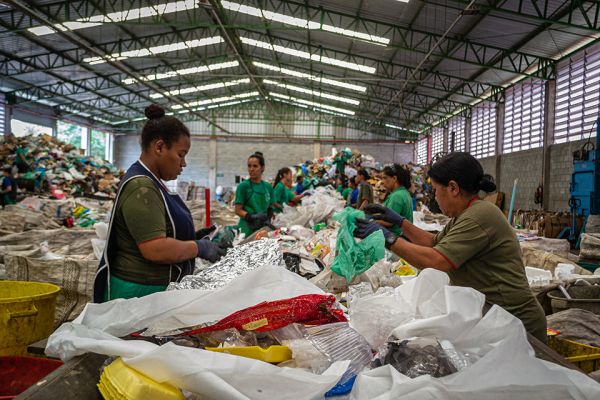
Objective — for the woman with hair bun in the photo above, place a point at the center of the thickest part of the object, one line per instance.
(151, 238)
(477, 248)
(396, 180)
(254, 197)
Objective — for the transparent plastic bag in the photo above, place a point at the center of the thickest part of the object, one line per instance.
(415, 357)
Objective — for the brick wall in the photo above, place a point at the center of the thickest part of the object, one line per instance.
(526, 166)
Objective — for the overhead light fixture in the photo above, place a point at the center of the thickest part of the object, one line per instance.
(216, 100)
(315, 78)
(151, 51)
(302, 23)
(312, 92)
(307, 56)
(202, 88)
(118, 16)
(312, 103)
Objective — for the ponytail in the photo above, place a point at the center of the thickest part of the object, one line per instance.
(280, 174)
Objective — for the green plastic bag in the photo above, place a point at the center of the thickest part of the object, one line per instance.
(353, 257)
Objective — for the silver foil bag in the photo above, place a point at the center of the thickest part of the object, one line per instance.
(238, 260)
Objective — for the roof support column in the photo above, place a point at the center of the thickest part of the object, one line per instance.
(549, 109)
(499, 141)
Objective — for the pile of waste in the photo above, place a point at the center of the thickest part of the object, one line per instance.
(44, 164)
(269, 333)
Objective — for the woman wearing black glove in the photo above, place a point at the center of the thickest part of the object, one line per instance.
(151, 238)
(478, 248)
(254, 197)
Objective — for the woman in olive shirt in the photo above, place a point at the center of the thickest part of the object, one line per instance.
(151, 238)
(478, 248)
(254, 197)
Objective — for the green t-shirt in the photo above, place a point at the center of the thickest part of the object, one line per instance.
(282, 195)
(484, 251)
(256, 198)
(346, 192)
(401, 202)
(22, 151)
(140, 216)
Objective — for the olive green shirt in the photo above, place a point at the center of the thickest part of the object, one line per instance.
(401, 202)
(140, 216)
(485, 255)
(282, 195)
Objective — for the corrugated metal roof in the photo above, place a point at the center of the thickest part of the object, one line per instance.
(414, 26)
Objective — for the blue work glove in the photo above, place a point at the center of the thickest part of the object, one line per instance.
(365, 227)
(209, 250)
(379, 212)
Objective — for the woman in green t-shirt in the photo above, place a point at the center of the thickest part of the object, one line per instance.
(254, 197)
(396, 180)
(282, 191)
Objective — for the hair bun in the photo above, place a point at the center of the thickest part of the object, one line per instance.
(487, 184)
(154, 111)
(259, 153)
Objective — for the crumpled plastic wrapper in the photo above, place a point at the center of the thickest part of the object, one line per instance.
(238, 260)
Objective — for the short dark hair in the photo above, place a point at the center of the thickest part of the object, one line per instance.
(7, 170)
(259, 156)
(364, 174)
(399, 172)
(465, 170)
(161, 127)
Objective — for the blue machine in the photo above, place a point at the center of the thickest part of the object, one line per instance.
(585, 183)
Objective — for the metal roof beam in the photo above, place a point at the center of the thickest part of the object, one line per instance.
(587, 13)
(82, 43)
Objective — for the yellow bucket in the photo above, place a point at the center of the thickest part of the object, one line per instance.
(26, 314)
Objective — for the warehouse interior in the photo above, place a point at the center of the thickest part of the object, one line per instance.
(316, 88)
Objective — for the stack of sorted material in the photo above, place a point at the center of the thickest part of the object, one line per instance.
(44, 164)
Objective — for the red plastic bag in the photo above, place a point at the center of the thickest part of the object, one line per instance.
(309, 309)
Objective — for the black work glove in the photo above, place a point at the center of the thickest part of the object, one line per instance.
(379, 212)
(366, 227)
(209, 250)
(256, 220)
(201, 233)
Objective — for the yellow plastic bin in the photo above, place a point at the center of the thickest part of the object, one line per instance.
(26, 314)
(586, 358)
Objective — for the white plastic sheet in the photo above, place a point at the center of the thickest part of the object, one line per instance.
(507, 368)
(214, 375)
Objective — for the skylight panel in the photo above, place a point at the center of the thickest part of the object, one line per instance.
(216, 100)
(190, 44)
(184, 71)
(311, 92)
(307, 56)
(202, 88)
(312, 103)
(118, 16)
(315, 78)
(302, 23)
